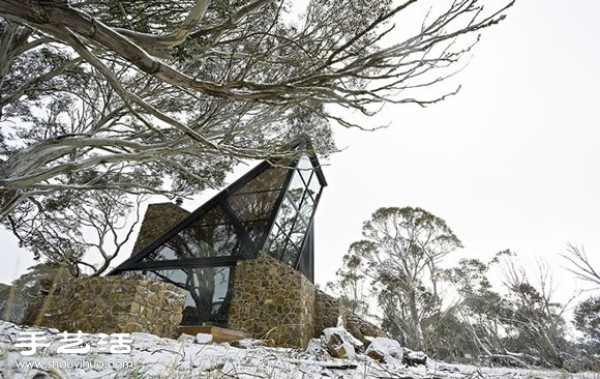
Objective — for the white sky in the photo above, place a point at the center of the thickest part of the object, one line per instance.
(510, 162)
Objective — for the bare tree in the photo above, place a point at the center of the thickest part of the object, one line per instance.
(524, 326)
(83, 234)
(581, 265)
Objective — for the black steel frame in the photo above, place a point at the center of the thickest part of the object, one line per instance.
(134, 263)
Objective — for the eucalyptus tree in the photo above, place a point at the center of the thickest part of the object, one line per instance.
(522, 324)
(401, 253)
(166, 97)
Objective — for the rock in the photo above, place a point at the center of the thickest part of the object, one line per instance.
(337, 348)
(186, 338)
(362, 329)
(376, 355)
(340, 343)
(385, 350)
(204, 338)
(414, 358)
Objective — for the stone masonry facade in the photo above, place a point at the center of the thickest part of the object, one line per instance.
(113, 304)
(327, 311)
(158, 219)
(272, 301)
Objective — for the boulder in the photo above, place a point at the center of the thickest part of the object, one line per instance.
(362, 329)
(385, 350)
(414, 358)
(340, 343)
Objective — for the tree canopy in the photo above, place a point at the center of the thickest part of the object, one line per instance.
(166, 97)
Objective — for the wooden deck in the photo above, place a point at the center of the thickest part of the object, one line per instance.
(219, 334)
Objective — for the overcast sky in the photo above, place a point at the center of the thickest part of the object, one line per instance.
(510, 162)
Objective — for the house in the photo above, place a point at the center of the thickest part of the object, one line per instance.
(241, 264)
(246, 257)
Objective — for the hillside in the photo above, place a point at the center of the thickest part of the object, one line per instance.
(154, 357)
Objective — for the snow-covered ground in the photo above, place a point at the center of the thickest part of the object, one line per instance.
(186, 358)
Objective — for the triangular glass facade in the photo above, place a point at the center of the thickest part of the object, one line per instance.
(270, 210)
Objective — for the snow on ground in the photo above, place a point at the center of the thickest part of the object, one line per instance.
(154, 357)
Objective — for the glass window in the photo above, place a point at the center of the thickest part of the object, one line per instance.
(307, 207)
(256, 230)
(198, 241)
(277, 242)
(254, 206)
(305, 167)
(215, 216)
(270, 180)
(298, 233)
(314, 186)
(286, 216)
(290, 254)
(296, 189)
(209, 292)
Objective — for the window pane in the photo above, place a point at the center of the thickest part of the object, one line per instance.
(254, 206)
(305, 167)
(298, 233)
(256, 230)
(276, 243)
(290, 255)
(296, 189)
(270, 180)
(307, 207)
(209, 292)
(285, 217)
(198, 241)
(314, 187)
(214, 216)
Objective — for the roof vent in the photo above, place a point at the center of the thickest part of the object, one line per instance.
(179, 201)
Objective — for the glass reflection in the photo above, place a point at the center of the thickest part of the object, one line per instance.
(314, 186)
(286, 216)
(277, 242)
(296, 189)
(299, 231)
(295, 212)
(209, 292)
(272, 179)
(290, 254)
(254, 206)
(307, 207)
(198, 241)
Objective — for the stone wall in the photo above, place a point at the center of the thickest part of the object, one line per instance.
(327, 311)
(114, 304)
(158, 219)
(19, 302)
(272, 301)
